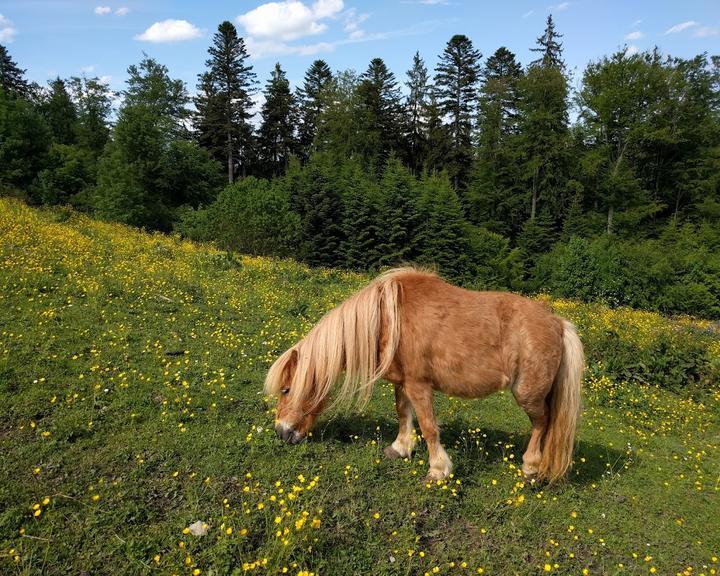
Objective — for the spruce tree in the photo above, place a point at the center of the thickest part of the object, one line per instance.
(442, 238)
(224, 101)
(360, 218)
(318, 201)
(437, 136)
(398, 216)
(549, 47)
(277, 131)
(311, 99)
(456, 79)
(494, 192)
(544, 142)
(60, 114)
(11, 76)
(381, 113)
(416, 105)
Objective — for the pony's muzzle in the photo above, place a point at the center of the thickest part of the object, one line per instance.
(288, 434)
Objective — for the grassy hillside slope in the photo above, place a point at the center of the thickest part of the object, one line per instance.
(131, 369)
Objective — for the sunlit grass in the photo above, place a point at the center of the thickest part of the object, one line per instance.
(135, 437)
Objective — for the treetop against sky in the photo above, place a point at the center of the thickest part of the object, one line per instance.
(102, 37)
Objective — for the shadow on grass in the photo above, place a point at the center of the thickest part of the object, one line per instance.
(473, 452)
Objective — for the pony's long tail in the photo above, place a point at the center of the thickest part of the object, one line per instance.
(564, 403)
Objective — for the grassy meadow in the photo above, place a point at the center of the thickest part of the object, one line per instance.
(131, 407)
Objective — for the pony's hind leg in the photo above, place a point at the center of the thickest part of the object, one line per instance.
(403, 445)
(421, 396)
(533, 399)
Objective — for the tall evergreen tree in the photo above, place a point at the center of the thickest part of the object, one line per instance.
(416, 105)
(11, 76)
(311, 98)
(549, 47)
(224, 101)
(456, 79)
(495, 196)
(437, 135)
(277, 131)
(60, 114)
(544, 127)
(381, 112)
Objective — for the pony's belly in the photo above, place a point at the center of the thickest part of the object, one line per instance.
(481, 383)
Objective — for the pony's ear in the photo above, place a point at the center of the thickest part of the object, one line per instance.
(291, 363)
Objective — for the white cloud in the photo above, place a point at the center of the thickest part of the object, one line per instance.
(636, 23)
(706, 31)
(7, 30)
(528, 13)
(559, 7)
(261, 48)
(680, 27)
(87, 69)
(101, 10)
(634, 35)
(170, 31)
(632, 49)
(122, 11)
(290, 19)
(353, 20)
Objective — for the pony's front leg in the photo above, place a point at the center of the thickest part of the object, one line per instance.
(421, 397)
(403, 445)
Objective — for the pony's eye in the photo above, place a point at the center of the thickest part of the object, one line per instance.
(285, 391)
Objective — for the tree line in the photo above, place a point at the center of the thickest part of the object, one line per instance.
(475, 167)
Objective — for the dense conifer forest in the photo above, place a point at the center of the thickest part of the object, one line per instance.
(498, 173)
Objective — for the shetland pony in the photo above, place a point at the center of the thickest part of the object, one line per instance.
(422, 334)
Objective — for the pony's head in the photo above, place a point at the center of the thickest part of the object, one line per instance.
(298, 404)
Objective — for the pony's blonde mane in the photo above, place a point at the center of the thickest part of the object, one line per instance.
(346, 340)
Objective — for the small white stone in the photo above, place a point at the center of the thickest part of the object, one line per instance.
(198, 528)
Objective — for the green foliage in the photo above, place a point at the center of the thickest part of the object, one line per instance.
(24, 143)
(250, 216)
(71, 171)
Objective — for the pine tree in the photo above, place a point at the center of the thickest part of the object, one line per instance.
(60, 114)
(381, 117)
(416, 105)
(456, 79)
(11, 77)
(311, 98)
(224, 101)
(277, 131)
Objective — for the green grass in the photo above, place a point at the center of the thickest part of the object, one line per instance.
(131, 369)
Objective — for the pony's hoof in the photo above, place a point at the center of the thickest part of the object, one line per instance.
(391, 453)
(434, 476)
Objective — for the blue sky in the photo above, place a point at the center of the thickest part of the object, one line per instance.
(103, 37)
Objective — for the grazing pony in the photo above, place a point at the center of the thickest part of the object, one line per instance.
(422, 334)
